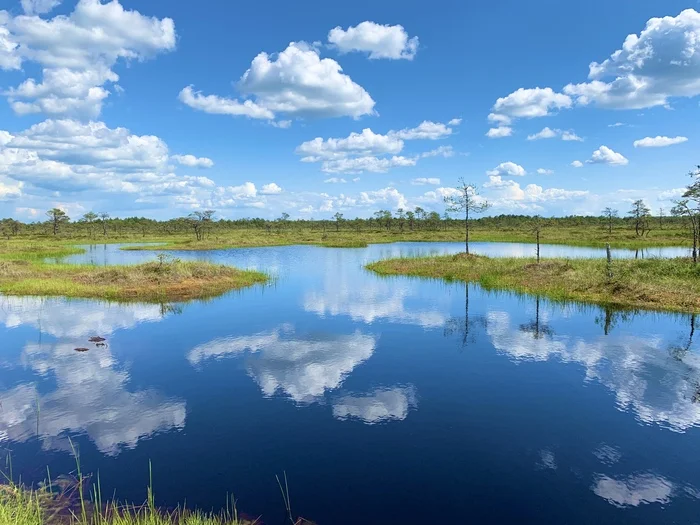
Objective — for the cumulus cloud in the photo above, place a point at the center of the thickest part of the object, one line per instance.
(577, 164)
(371, 164)
(605, 155)
(192, 161)
(543, 171)
(421, 181)
(370, 151)
(335, 180)
(296, 82)
(425, 130)
(39, 7)
(379, 41)
(548, 133)
(669, 195)
(658, 142)
(663, 61)
(76, 53)
(499, 132)
(223, 106)
(270, 189)
(528, 103)
(455, 122)
(507, 168)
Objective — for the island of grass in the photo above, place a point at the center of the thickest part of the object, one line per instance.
(165, 280)
(657, 284)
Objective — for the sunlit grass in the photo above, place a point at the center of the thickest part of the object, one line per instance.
(662, 284)
(163, 281)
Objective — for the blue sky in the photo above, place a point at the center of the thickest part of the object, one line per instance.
(161, 108)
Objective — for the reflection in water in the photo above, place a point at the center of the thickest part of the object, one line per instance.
(547, 460)
(607, 454)
(535, 327)
(464, 325)
(634, 490)
(75, 319)
(636, 369)
(303, 367)
(91, 394)
(383, 404)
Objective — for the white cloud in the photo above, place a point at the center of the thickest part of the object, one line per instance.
(499, 132)
(605, 155)
(371, 164)
(663, 61)
(507, 168)
(616, 125)
(658, 142)
(39, 7)
(422, 181)
(577, 164)
(77, 53)
(380, 41)
(501, 120)
(298, 82)
(380, 405)
(570, 136)
(366, 143)
(223, 106)
(529, 103)
(192, 161)
(509, 194)
(270, 189)
(455, 122)
(669, 195)
(548, 133)
(335, 180)
(425, 130)
(442, 151)
(282, 124)
(543, 171)
(10, 189)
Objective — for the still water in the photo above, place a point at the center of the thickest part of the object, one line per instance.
(385, 400)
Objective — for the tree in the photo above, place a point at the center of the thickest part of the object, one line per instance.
(282, 221)
(662, 214)
(57, 217)
(689, 207)
(199, 221)
(610, 215)
(338, 220)
(89, 218)
(411, 217)
(466, 200)
(640, 213)
(9, 227)
(420, 214)
(104, 217)
(401, 218)
(537, 229)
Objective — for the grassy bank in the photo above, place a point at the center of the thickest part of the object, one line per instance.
(24, 506)
(660, 284)
(149, 282)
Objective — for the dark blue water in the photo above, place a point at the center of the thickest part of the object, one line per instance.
(392, 400)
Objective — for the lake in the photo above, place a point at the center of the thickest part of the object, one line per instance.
(385, 400)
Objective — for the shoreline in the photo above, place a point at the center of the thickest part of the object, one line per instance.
(671, 285)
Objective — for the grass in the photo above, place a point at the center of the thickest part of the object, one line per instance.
(657, 284)
(155, 282)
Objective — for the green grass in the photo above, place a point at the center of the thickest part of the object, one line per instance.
(154, 282)
(657, 284)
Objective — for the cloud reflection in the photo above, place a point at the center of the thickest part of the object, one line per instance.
(302, 367)
(380, 405)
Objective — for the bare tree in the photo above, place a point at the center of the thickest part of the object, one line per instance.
(57, 217)
(537, 229)
(104, 217)
(640, 213)
(466, 200)
(199, 220)
(689, 207)
(610, 215)
(662, 214)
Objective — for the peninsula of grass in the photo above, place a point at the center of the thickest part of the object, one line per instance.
(151, 282)
(656, 284)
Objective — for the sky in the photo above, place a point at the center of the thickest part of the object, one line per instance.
(164, 107)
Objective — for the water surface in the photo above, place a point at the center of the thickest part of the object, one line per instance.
(385, 400)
